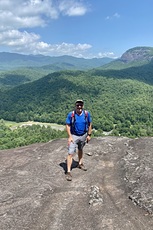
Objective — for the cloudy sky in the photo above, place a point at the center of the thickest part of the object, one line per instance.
(81, 28)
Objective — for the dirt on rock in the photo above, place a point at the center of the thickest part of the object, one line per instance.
(115, 193)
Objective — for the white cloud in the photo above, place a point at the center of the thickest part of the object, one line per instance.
(19, 16)
(31, 13)
(29, 43)
(106, 54)
(15, 38)
(116, 15)
(72, 8)
(9, 21)
(107, 18)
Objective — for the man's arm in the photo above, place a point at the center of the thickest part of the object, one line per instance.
(90, 129)
(89, 132)
(68, 130)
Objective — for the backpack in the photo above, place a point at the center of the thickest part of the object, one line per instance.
(73, 117)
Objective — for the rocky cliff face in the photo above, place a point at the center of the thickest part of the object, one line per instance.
(114, 193)
(138, 54)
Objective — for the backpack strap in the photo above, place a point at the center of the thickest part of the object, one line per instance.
(73, 120)
(86, 118)
(73, 117)
(86, 113)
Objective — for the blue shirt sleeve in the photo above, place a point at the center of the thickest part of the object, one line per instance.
(68, 119)
(89, 118)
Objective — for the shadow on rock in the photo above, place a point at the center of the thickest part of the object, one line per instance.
(64, 165)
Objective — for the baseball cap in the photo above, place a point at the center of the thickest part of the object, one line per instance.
(79, 101)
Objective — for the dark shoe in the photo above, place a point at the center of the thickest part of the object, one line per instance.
(68, 176)
(82, 167)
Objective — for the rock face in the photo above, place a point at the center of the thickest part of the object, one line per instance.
(138, 165)
(138, 54)
(114, 193)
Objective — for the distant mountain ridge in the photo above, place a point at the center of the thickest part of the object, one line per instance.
(133, 57)
(10, 61)
(17, 69)
(136, 56)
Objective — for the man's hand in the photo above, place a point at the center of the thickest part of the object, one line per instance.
(68, 129)
(88, 138)
(70, 139)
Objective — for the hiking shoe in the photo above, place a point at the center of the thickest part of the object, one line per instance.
(82, 167)
(68, 176)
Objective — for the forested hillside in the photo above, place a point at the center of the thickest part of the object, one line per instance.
(142, 73)
(17, 69)
(118, 104)
(12, 78)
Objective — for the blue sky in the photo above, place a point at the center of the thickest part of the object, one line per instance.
(81, 28)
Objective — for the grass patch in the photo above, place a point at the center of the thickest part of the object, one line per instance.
(14, 125)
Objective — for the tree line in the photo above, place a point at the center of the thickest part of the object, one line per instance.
(27, 135)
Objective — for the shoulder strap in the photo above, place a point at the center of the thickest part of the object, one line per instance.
(86, 120)
(73, 113)
(73, 117)
(86, 113)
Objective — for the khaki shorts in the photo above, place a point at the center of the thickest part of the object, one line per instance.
(79, 142)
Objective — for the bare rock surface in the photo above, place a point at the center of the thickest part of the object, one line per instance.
(115, 193)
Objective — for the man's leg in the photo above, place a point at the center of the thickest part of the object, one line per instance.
(81, 144)
(80, 156)
(71, 151)
(69, 162)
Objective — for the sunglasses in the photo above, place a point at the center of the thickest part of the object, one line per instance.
(79, 105)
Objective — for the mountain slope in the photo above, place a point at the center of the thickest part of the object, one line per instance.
(17, 69)
(136, 56)
(124, 102)
(143, 73)
(13, 60)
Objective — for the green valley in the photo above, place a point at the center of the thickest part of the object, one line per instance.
(120, 100)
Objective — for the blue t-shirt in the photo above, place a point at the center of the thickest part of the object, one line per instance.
(81, 122)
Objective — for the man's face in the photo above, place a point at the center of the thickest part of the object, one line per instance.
(79, 107)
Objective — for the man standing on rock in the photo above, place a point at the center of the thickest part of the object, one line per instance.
(79, 128)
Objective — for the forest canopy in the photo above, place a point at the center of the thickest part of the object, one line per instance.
(122, 106)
